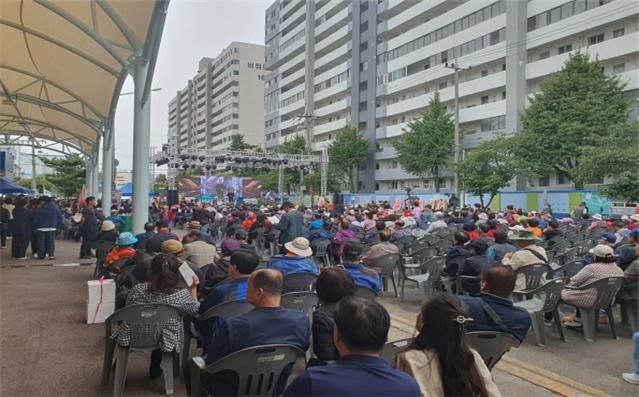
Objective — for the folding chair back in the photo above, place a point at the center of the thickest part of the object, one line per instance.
(550, 294)
(303, 281)
(386, 264)
(226, 310)
(321, 250)
(567, 270)
(443, 246)
(404, 242)
(418, 245)
(607, 290)
(465, 283)
(302, 301)
(431, 238)
(567, 255)
(533, 274)
(491, 345)
(391, 349)
(145, 321)
(258, 369)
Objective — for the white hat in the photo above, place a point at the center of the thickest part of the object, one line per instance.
(517, 228)
(597, 217)
(624, 218)
(602, 251)
(107, 226)
(300, 246)
(635, 217)
(483, 216)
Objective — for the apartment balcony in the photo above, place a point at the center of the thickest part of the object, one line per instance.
(330, 73)
(334, 40)
(292, 77)
(328, 127)
(334, 56)
(337, 106)
(336, 20)
(331, 91)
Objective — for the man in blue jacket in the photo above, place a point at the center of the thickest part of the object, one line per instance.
(361, 330)
(48, 220)
(298, 258)
(497, 283)
(362, 275)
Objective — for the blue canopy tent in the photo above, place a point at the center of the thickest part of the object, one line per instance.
(9, 187)
(127, 190)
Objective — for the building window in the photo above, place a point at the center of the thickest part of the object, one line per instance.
(363, 6)
(443, 85)
(596, 181)
(484, 99)
(363, 86)
(503, 95)
(544, 55)
(544, 181)
(493, 123)
(251, 65)
(394, 164)
(484, 73)
(377, 166)
(619, 68)
(363, 106)
(363, 66)
(564, 48)
(363, 27)
(377, 186)
(562, 178)
(596, 39)
(394, 185)
(503, 66)
(363, 47)
(444, 56)
(618, 33)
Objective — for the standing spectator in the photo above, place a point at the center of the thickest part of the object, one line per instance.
(167, 216)
(21, 230)
(343, 234)
(88, 228)
(361, 330)
(5, 216)
(47, 221)
(439, 359)
(8, 205)
(291, 225)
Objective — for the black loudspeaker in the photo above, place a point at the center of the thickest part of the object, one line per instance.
(171, 197)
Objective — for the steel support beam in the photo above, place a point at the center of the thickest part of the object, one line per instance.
(141, 144)
(107, 170)
(95, 181)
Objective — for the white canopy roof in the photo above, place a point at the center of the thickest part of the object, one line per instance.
(63, 63)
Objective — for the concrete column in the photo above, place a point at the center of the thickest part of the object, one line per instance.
(95, 181)
(107, 170)
(141, 144)
(89, 183)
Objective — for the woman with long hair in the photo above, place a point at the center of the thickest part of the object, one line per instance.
(439, 359)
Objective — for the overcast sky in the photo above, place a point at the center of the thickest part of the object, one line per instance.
(193, 29)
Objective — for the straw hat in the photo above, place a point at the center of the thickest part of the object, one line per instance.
(172, 247)
(300, 246)
(107, 226)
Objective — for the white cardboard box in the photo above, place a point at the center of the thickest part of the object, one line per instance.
(98, 312)
(104, 293)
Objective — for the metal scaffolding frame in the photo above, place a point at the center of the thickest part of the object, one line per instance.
(231, 161)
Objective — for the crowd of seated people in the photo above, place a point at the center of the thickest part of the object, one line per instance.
(347, 333)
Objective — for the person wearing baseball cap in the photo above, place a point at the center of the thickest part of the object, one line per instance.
(297, 259)
(603, 266)
(362, 275)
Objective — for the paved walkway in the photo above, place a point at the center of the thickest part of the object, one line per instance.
(47, 349)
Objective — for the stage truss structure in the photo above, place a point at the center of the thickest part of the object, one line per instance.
(229, 161)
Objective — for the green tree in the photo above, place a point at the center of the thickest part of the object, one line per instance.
(625, 186)
(197, 171)
(426, 146)
(238, 144)
(160, 183)
(578, 108)
(69, 174)
(42, 184)
(347, 153)
(488, 168)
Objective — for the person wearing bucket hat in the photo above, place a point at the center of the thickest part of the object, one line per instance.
(123, 249)
(527, 254)
(603, 266)
(297, 259)
(107, 232)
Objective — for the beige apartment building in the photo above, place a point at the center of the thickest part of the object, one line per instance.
(224, 98)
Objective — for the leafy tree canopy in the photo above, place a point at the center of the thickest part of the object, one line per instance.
(426, 145)
(238, 144)
(69, 174)
(578, 109)
(489, 168)
(348, 151)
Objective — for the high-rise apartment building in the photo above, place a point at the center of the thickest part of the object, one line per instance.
(226, 97)
(375, 65)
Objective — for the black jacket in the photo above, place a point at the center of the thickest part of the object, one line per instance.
(323, 324)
